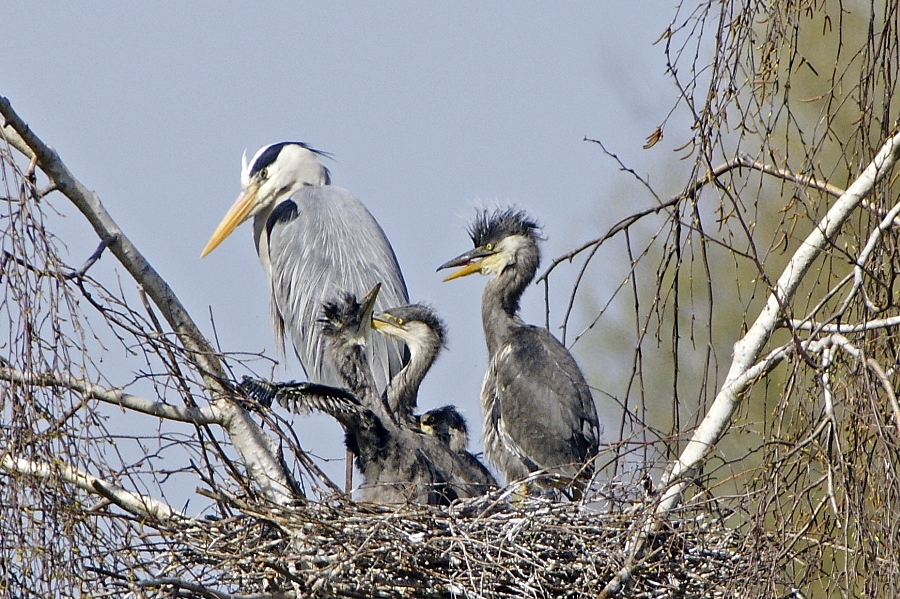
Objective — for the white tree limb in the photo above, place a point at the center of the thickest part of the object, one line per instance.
(846, 329)
(257, 451)
(208, 415)
(748, 349)
(132, 502)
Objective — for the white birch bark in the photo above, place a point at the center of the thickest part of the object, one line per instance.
(747, 350)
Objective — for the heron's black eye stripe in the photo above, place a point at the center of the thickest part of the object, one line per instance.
(267, 158)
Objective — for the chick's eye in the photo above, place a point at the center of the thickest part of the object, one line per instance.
(400, 321)
(489, 247)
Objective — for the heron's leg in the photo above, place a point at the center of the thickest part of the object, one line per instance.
(348, 474)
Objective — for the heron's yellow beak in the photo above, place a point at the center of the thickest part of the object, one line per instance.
(471, 267)
(238, 213)
(426, 428)
(470, 262)
(387, 325)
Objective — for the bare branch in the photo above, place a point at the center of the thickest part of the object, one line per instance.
(689, 193)
(133, 502)
(748, 349)
(257, 451)
(875, 367)
(208, 415)
(203, 591)
(845, 329)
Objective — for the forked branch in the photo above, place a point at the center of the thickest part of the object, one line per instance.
(257, 450)
(748, 350)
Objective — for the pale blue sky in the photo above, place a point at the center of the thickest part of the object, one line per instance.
(429, 109)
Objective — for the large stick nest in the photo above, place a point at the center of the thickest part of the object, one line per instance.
(477, 548)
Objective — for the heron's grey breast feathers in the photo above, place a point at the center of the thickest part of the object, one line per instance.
(325, 244)
(538, 404)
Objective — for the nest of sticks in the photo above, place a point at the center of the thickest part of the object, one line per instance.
(488, 547)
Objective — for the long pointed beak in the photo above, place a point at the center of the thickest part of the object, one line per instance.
(238, 213)
(367, 305)
(470, 262)
(387, 325)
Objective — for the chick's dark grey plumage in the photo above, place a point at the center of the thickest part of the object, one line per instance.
(449, 426)
(364, 433)
(423, 333)
(399, 464)
(538, 410)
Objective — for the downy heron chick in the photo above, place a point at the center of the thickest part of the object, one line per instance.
(398, 462)
(448, 425)
(423, 333)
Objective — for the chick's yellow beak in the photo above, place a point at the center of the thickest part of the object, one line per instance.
(470, 262)
(471, 267)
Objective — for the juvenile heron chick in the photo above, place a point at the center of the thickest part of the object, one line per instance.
(539, 414)
(419, 328)
(399, 464)
(449, 426)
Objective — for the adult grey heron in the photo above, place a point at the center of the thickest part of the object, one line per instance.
(538, 410)
(314, 240)
(420, 329)
(398, 462)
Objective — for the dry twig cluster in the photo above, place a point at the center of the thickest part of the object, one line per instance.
(336, 548)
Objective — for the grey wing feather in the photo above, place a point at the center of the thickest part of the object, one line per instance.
(330, 245)
(303, 397)
(544, 409)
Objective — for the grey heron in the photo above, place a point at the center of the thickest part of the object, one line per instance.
(419, 328)
(448, 425)
(539, 414)
(314, 240)
(398, 462)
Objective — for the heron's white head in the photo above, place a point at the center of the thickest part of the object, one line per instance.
(274, 174)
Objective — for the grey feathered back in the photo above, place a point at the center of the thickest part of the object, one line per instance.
(306, 239)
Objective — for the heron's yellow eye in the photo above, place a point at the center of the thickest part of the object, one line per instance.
(264, 174)
(489, 247)
(400, 322)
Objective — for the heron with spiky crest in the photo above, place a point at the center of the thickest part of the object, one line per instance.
(539, 414)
